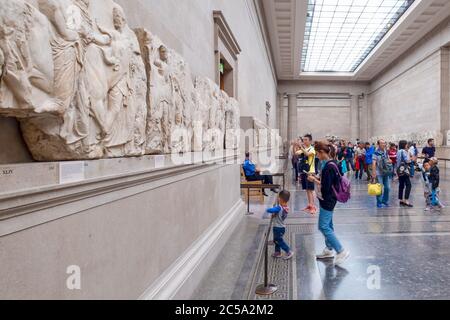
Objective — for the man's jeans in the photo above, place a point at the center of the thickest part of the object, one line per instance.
(412, 169)
(326, 227)
(278, 234)
(369, 171)
(386, 182)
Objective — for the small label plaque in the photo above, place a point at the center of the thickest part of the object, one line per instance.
(6, 172)
(71, 172)
(159, 161)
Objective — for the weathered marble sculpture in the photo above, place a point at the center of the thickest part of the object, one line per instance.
(262, 135)
(170, 97)
(83, 85)
(421, 138)
(211, 113)
(26, 79)
(159, 98)
(82, 97)
(232, 127)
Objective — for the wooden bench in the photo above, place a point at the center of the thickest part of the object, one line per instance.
(253, 186)
(247, 192)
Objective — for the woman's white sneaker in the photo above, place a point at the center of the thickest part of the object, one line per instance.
(342, 257)
(326, 254)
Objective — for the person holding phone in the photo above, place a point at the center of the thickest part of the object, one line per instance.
(307, 156)
(326, 184)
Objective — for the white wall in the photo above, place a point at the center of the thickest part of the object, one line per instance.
(124, 232)
(326, 110)
(410, 102)
(323, 121)
(12, 145)
(411, 90)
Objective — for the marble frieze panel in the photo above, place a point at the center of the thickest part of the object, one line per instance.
(84, 85)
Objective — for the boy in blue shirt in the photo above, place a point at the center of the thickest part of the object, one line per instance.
(425, 168)
(279, 214)
(434, 180)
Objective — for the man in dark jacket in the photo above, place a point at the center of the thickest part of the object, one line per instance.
(430, 150)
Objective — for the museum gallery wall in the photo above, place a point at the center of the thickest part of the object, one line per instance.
(84, 85)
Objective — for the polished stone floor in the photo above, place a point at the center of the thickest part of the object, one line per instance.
(396, 253)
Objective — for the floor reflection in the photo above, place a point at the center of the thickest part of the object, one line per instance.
(396, 253)
(333, 277)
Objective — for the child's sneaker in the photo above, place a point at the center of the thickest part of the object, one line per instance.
(427, 209)
(277, 255)
(289, 256)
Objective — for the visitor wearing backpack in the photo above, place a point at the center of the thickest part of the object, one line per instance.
(382, 170)
(404, 174)
(332, 187)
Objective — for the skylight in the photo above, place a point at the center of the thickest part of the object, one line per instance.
(340, 34)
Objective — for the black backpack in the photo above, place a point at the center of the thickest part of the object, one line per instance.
(403, 168)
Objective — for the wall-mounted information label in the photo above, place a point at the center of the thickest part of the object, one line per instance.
(159, 161)
(71, 172)
(6, 172)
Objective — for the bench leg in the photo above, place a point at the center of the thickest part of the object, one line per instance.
(245, 192)
(248, 203)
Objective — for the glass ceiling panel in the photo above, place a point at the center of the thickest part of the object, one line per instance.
(340, 34)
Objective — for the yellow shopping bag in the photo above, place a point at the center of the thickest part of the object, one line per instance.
(375, 189)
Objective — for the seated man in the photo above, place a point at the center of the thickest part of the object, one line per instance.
(254, 174)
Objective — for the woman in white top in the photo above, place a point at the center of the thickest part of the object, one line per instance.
(413, 153)
(360, 156)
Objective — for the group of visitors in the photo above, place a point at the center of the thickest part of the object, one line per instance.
(321, 167)
(400, 163)
(382, 163)
(316, 167)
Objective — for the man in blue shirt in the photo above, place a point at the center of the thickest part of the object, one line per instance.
(370, 150)
(252, 173)
(382, 171)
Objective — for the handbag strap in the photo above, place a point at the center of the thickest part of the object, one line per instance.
(336, 167)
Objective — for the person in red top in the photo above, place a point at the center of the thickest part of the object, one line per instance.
(393, 155)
